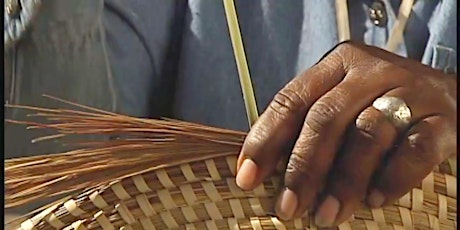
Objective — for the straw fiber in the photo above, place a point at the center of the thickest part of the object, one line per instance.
(188, 190)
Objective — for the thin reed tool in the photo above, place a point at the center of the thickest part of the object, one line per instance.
(241, 62)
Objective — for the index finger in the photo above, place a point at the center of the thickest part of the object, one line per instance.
(274, 134)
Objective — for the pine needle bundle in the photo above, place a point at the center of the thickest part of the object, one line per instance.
(169, 174)
(145, 143)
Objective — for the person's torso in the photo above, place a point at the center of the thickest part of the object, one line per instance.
(281, 40)
(60, 53)
(174, 58)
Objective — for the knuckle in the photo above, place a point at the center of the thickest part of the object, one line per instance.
(348, 52)
(372, 128)
(330, 64)
(287, 101)
(345, 46)
(374, 67)
(323, 113)
(424, 148)
(367, 126)
(301, 170)
(298, 163)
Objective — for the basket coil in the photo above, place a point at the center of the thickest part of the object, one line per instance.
(204, 195)
(181, 176)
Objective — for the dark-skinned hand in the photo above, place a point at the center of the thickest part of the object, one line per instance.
(341, 151)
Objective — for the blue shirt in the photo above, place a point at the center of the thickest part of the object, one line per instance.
(174, 58)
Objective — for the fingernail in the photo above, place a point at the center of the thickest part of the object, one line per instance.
(247, 174)
(327, 212)
(375, 199)
(286, 205)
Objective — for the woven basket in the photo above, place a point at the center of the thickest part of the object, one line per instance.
(202, 194)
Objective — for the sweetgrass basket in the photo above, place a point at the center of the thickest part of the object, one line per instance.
(166, 174)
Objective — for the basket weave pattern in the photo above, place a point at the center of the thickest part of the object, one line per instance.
(204, 195)
(179, 175)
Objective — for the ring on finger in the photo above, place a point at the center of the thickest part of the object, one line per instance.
(395, 109)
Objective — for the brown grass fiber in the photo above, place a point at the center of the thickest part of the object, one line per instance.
(169, 174)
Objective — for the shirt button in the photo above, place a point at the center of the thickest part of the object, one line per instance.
(13, 8)
(378, 14)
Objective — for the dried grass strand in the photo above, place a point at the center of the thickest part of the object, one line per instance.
(146, 147)
(145, 143)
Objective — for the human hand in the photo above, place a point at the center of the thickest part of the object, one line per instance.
(341, 149)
